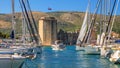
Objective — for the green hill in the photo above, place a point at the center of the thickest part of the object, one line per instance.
(68, 21)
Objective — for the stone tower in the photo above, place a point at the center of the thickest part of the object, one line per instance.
(48, 30)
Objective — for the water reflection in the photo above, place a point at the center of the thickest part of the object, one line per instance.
(68, 58)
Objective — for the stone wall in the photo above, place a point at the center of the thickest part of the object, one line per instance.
(48, 30)
(67, 38)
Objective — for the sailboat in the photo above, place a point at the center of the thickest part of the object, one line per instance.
(29, 50)
(13, 57)
(11, 61)
(82, 31)
(111, 51)
(58, 45)
(89, 47)
(9, 58)
(93, 48)
(32, 26)
(115, 55)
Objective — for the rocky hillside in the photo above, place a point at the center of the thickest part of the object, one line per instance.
(68, 21)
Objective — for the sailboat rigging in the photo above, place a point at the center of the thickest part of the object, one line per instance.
(83, 30)
(7, 53)
(32, 27)
(91, 25)
(113, 53)
(86, 29)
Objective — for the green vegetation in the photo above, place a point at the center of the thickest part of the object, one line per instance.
(68, 21)
(116, 27)
(2, 35)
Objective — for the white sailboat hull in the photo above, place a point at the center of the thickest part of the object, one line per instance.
(115, 57)
(58, 47)
(78, 48)
(26, 51)
(6, 50)
(115, 60)
(92, 50)
(7, 61)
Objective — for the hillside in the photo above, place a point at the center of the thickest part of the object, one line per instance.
(68, 21)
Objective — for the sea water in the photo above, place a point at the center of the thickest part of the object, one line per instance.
(68, 58)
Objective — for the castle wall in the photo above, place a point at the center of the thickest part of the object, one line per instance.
(48, 30)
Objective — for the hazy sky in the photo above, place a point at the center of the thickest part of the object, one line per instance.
(56, 5)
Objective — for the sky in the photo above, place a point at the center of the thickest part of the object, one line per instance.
(56, 5)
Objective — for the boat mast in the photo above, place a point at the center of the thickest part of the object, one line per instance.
(13, 22)
(88, 21)
(32, 27)
(113, 21)
(108, 24)
(100, 23)
(90, 27)
(23, 28)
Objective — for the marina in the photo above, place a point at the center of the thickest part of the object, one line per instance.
(60, 39)
(69, 58)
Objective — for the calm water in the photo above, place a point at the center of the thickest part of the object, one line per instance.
(68, 58)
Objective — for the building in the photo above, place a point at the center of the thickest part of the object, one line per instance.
(48, 30)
